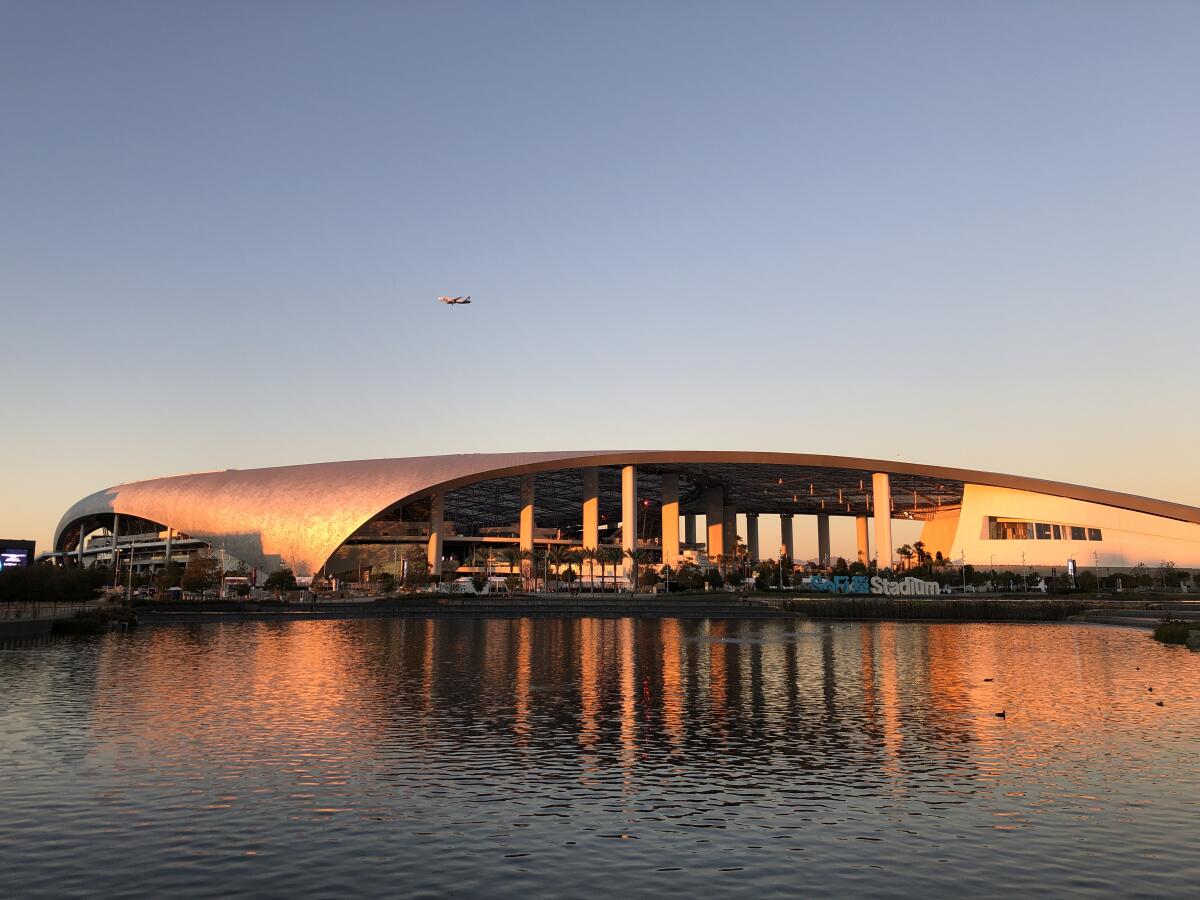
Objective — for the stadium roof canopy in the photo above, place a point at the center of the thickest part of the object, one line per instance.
(301, 514)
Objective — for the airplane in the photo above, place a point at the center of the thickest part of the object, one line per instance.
(455, 301)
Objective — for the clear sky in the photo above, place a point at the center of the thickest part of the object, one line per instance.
(954, 233)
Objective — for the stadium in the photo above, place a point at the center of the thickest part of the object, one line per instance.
(345, 519)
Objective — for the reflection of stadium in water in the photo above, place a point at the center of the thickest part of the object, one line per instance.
(816, 695)
(593, 755)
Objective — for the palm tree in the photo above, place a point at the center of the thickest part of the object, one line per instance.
(612, 556)
(557, 556)
(637, 558)
(514, 556)
(591, 554)
(489, 556)
(919, 549)
(537, 565)
(573, 559)
(905, 552)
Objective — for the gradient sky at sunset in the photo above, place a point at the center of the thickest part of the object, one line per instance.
(962, 234)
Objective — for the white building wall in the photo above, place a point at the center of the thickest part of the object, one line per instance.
(1129, 537)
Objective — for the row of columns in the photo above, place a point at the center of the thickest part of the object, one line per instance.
(720, 520)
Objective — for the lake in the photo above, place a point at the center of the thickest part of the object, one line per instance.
(600, 757)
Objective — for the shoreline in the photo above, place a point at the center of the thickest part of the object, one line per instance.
(1145, 612)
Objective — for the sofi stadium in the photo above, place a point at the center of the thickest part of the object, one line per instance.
(346, 517)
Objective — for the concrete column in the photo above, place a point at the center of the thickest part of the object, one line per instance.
(689, 529)
(864, 544)
(670, 519)
(527, 517)
(786, 537)
(752, 536)
(823, 539)
(167, 549)
(629, 513)
(79, 549)
(881, 488)
(437, 514)
(730, 531)
(714, 516)
(591, 507)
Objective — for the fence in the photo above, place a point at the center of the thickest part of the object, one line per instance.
(34, 610)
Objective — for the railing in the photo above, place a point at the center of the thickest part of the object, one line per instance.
(34, 610)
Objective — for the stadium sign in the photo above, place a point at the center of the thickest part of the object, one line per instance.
(876, 585)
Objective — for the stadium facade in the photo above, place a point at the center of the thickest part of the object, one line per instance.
(344, 517)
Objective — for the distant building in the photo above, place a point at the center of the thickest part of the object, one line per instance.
(347, 518)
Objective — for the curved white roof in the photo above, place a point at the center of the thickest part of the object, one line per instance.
(302, 514)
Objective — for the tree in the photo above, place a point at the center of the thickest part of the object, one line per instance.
(416, 570)
(766, 575)
(168, 577)
(590, 555)
(919, 550)
(905, 552)
(282, 580)
(689, 577)
(637, 559)
(513, 555)
(202, 572)
(1169, 576)
(50, 584)
(1141, 575)
(613, 557)
(557, 557)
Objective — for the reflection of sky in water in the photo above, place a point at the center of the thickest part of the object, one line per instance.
(517, 756)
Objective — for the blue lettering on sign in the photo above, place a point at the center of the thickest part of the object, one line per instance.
(840, 584)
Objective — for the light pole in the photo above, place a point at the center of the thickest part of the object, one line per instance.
(129, 587)
(1096, 557)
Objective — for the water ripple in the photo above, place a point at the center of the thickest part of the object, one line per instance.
(586, 757)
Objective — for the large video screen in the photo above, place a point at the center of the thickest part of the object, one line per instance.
(13, 558)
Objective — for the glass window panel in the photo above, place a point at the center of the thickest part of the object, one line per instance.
(1078, 533)
(1058, 532)
(1094, 534)
(1043, 532)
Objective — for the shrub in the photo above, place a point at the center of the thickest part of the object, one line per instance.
(1175, 632)
(94, 621)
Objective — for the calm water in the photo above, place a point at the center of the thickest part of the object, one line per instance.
(598, 757)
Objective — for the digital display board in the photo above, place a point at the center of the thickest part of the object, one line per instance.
(13, 558)
(15, 554)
